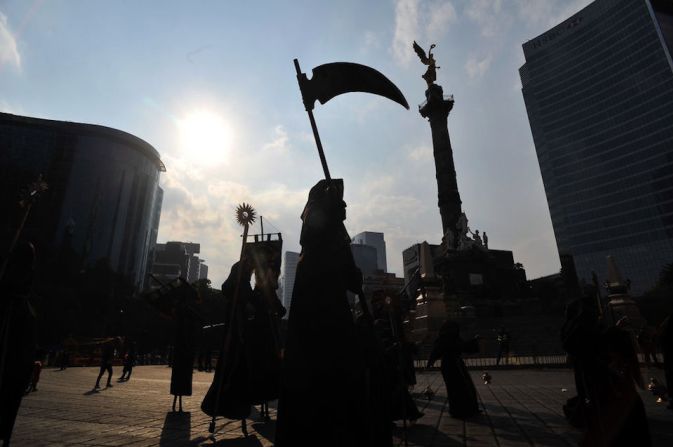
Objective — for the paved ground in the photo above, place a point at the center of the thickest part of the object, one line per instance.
(520, 407)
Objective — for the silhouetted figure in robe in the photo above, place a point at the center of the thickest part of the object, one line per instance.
(460, 390)
(17, 336)
(183, 352)
(262, 337)
(580, 337)
(322, 398)
(229, 394)
(617, 415)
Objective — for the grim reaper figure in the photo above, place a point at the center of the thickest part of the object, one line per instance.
(322, 387)
(430, 75)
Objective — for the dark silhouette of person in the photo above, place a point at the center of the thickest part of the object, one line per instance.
(17, 335)
(229, 393)
(129, 361)
(616, 416)
(182, 363)
(323, 386)
(460, 389)
(503, 345)
(106, 358)
(580, 337)
(262, 331)
(667, 348)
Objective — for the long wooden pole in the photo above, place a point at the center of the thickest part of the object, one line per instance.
(230, 331)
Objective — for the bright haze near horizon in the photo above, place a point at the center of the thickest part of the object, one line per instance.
(211, 85)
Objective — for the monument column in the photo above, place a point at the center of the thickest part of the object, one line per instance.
(436, 109)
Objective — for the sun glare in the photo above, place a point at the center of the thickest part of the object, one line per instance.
(205, 137)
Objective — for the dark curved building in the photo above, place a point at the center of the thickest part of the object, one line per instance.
(102, 198)
(598, 89)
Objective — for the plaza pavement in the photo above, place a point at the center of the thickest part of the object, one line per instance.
(519, 408)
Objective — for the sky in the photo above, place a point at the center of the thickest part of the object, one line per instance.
(211, 85)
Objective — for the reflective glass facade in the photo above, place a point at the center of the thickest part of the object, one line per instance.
(598, 90)
(102, 198)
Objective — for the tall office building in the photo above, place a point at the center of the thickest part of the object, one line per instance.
(290, 260)
(375, 240)
(103, 201)
(598, 89)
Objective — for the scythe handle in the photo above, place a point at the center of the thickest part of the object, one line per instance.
(301, 78)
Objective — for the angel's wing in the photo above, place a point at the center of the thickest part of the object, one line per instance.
(421, 53)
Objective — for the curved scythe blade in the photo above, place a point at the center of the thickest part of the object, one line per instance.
(336, 78)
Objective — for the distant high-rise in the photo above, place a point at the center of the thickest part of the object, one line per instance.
(174, 259)
(290, 260)
(375, 240)
(598, 90)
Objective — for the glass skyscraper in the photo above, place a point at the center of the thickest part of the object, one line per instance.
(103, 200)
(598, 89)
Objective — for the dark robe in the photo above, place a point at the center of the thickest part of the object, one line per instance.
(617, 416)
(19, 342)
(323, 377)
(18, 336)
(183, 351)
(229, 394)
(460, 389)
(262, 345)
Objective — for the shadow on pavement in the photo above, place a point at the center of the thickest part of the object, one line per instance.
(267, 430)
(250, 441)
(177, 428)
(426, 435)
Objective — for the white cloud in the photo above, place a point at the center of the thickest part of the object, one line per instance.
(543, 14)
(441, 17)
(420, 153)
(406, 30)
(279, 143)
(476, 68)
(489, 15)
(371, 42)
(421, 22)
(9, 53)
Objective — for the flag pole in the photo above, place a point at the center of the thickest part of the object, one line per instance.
(309, 109)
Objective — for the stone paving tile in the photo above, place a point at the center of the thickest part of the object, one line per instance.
(519, 408)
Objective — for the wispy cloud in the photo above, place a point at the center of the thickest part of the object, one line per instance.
(420, 21)
(545, 13)
(420, 153)
(443, 14)
(9, 53)
(280, 142)
(406, 30)
(489, 15)
(476, 67)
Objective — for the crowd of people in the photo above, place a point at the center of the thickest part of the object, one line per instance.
(339, 376)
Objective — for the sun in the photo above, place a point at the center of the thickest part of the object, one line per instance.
(205, 137)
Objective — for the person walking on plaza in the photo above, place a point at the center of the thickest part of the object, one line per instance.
(503, 345)
(17, 335)
(129, 361)
(107, 355)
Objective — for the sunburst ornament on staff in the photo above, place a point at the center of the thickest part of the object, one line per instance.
(245, 214)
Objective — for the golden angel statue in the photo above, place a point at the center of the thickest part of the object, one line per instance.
(430, 75)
